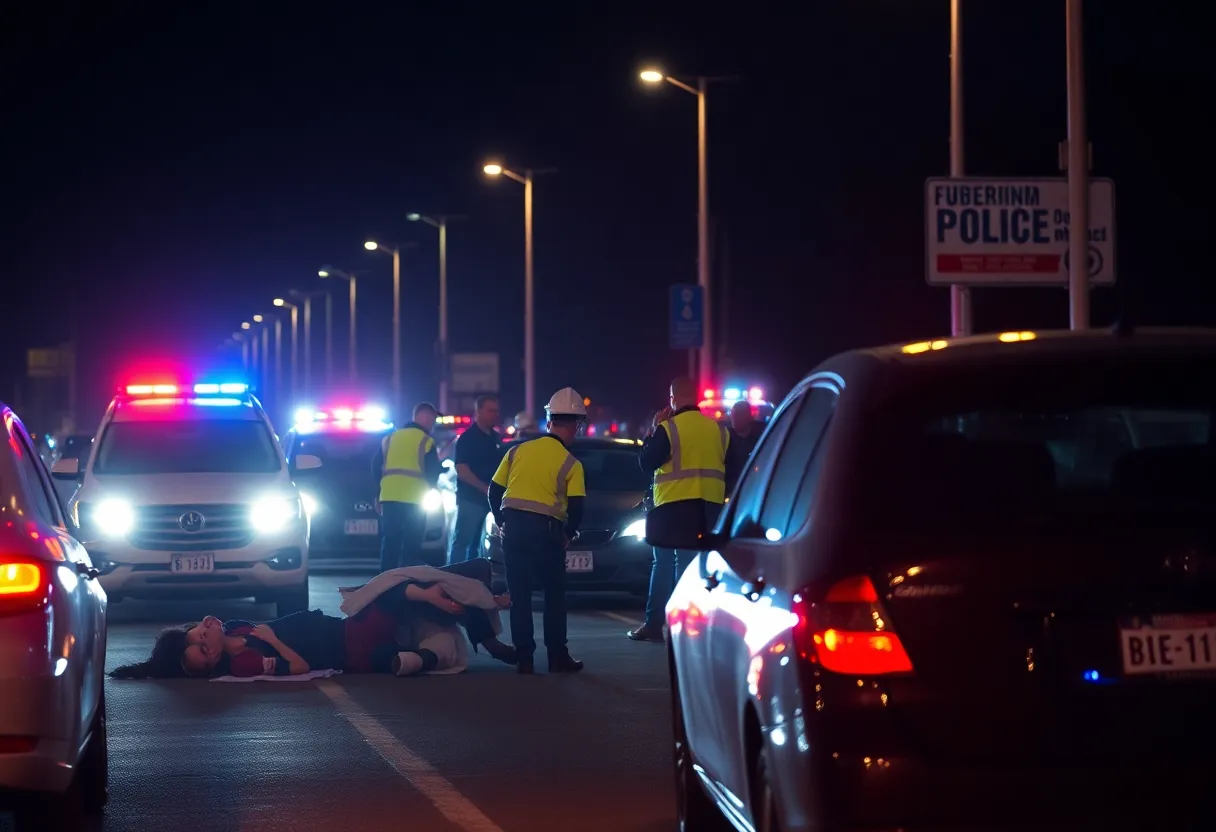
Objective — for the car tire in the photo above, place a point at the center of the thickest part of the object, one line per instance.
(764, 798)
(292, 600)
(695, 811)
(93, 775)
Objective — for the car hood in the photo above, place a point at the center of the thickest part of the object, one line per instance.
(611, 509)
(178, 489)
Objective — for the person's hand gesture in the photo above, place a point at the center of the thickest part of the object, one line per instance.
(439, 599)
(265, 633)
(660, 417)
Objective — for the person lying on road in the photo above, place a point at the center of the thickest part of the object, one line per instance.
(389, 628)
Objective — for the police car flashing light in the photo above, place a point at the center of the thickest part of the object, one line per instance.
(367, 418)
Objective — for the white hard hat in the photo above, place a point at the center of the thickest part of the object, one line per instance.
(566, 402)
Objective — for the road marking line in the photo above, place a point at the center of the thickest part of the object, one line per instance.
(616, 616)
(418, 772)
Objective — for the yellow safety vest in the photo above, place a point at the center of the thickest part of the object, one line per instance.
(403, 480)
(540, 476)
(697, 468)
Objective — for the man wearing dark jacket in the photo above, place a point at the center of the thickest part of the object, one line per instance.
(744, 434)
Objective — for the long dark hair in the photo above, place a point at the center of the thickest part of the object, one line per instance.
(166, 659)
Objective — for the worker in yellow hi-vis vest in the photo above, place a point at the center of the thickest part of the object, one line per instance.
(406, 468)
(687, 452)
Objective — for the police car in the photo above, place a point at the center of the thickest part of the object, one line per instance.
(717, 404)
(187, 495)
(341, 498)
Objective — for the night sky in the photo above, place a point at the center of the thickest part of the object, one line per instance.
(169, 173)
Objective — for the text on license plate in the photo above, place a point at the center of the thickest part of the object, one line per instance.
(579, 562)
(192, 562)
(1176, 646)
(363, 526)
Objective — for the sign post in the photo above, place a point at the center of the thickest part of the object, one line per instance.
(1013, 232)
(686, 330)
(473, 374)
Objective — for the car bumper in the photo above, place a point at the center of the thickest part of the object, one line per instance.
(622, 565)
(43, 709)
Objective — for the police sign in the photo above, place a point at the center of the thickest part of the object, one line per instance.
(1012, 232)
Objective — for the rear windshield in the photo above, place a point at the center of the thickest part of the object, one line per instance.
(1007, 447)
(347, 452)
(611, 469)
(212, 446)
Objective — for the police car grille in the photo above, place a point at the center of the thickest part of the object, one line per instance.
(225, 526)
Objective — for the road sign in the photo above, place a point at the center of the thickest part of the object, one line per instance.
(687, 330)
(1012, 232)
(475, 372)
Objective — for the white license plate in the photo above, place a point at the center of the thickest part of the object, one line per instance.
(579, 562)
(363, 526)
(1174, 644)
(192, 563)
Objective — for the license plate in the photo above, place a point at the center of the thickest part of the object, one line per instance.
(363, 526)
(193, 563)
(579, 562)
(1172, 644)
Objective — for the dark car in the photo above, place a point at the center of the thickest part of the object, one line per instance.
(609, 554)
(340, 496)
(964, 584)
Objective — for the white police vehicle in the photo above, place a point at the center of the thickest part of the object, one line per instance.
(187, 495)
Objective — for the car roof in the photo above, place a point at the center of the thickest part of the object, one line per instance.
(330, 429)
(183, 410)
(589, 442)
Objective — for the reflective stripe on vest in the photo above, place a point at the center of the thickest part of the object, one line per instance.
(412, 488)
(673, 482)
(555, 509)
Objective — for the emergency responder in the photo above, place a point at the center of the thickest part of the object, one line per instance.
(525, 426)
(686, 450)
(406, 468)
(537, 497)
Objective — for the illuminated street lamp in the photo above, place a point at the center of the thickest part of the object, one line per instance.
(349, 277)
(295, 351)
(395, 251)
(441, 223)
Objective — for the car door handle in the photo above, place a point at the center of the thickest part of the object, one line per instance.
(712, 580)
(88, 571)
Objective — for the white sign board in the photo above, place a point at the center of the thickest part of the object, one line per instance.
(475, 372)
(1012, 232)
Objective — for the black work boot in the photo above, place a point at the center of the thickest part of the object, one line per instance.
(564, 663)
(524, 666)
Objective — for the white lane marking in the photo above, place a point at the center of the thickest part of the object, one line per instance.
(418, 772)
(616, 616)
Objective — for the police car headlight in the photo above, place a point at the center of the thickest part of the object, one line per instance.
(635, 529)
(310, 503)
(270, 514)
(489, 524)
(433, 501)
(449, 501)
(114, 518)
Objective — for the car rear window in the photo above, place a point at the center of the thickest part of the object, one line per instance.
(1010, 444)
(611, 469)
(183, 446)
(346, 452)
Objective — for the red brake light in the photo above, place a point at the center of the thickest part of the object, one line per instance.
(23, 586)
(848, 632)
(709, 393)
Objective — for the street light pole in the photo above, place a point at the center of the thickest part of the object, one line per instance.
(396, 252)
(307, 298)
(278, 363)
(1078, 172)
(352, 350)
(329, 339)
(295, 344)
(960, 296)
(441, 224)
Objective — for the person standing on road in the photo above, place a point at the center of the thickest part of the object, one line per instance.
(526, 427)
(687, 451)
(744, 434)
(478, 452)
(537, 497)
(406, 468)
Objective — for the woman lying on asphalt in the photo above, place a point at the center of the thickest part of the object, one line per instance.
(389, 628)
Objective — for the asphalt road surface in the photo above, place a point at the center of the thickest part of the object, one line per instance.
(486, 750)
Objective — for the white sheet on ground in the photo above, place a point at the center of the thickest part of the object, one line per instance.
(300, 677)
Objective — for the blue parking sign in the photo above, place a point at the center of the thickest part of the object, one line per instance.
(687, 329)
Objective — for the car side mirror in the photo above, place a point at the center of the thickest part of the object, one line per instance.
(66, 469)
(307, 462)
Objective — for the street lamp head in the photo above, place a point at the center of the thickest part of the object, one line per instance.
(245, 324)
(371, 245)
(492, 170)
(413, 217)
(323, 273)
(257, 319)
(651, 76)
(279, 301)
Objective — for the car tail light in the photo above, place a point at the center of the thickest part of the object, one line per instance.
(23, 586)
(848, 631)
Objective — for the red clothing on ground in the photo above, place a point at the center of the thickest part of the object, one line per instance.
(370, 629)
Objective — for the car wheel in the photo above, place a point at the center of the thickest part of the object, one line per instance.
(292, 600)
(694, 809)
(764, 798)
(94, 772)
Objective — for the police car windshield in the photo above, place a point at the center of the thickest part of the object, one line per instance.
(611, 469)
(344, 451)
(211, 446)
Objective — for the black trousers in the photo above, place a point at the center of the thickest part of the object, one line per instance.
(534, 547)
(465, 542)
(402, 526)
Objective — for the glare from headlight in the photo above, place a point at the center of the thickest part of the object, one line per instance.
(635, 529)
(270, 514)
(114, 518)
(433, 501)
(489, 524)
(310, 503)
(449, 501)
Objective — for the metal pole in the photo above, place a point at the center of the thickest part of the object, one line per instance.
(308, 345)
(443, 315)
(960, 296)
(278, 364)
(1078, 172)
(703, 265)
(329, 339)
(245, 353)
(529, 320)
(264, 379)
(295, 351)
(397, 414)
(253, 352)
(351, 352)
